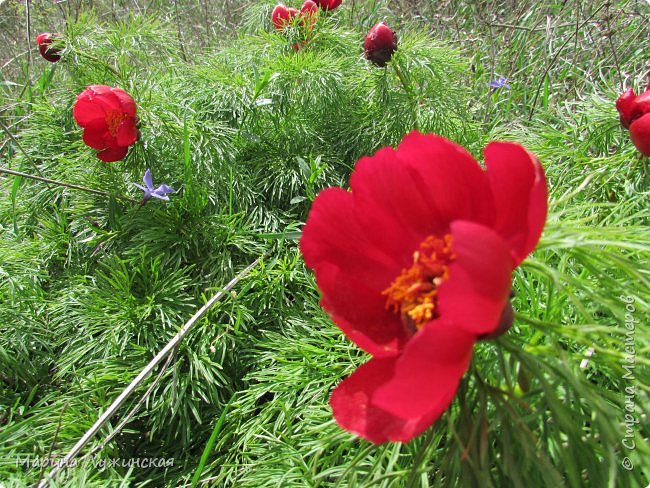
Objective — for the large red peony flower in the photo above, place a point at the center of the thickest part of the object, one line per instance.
(44, 42)
(634, 112)
(107, 115)
(414, 265)
(380, 44)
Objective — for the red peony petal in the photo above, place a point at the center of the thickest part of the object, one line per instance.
(402, 196)
(641, 105)
(127, 104)
(391, 206)
(396, 399)
(113, 100)
(309, 9)
(282, 15)
(640, 134)
(100, 89)
(351, 271)
(94, 101)
(278, 16)
(427, 373)
(520, 194)
(328, 4)
(353, 408)
(86, 112)
(332, 234)
(452, 180)
(113, 154)
(103, 95)
(360, 312)
(625, 107)
(127, 133)
(44, 38)
(308, 14)
(96, 134)
(479, 283)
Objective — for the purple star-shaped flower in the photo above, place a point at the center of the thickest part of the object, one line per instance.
(500, 82)
(149, 191)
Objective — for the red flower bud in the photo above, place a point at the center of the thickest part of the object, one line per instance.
(634, 113)
(380, 44)
(44, 41)
(308, 11)
(328, 4)
(282, 16)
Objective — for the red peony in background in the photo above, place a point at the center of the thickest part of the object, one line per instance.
(108, 117)
(380, 44)
(634, 111)
(44, 42)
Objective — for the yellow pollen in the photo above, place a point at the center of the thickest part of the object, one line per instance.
(113, 119)
(414, 293)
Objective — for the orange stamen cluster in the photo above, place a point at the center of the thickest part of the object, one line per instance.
(414, 292)
(113, 119)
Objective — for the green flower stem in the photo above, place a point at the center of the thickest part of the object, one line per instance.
(90, 57)
(208, 447)
(20, 147)
(641, 161)
(66, 185)
(412, 480)
(409, 91)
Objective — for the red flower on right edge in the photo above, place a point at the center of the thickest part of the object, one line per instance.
(634, 114)
(414, 265)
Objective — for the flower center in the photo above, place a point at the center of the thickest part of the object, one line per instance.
(414, 293)
(113, 119)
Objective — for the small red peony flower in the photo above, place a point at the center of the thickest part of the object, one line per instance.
(328, 4)
(283, 16)
(380, 44)
(107, 115)
(44, 42)
(634, 114)
(308, 13)
(414, 265)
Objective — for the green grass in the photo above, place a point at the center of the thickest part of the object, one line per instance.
(248, 132)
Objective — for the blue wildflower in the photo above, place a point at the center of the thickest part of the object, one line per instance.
(149, 191)
(501, 82)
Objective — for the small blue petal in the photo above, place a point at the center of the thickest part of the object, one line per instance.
(148, 180)
(164, 189)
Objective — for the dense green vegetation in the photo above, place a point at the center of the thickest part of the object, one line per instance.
(248, 131)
